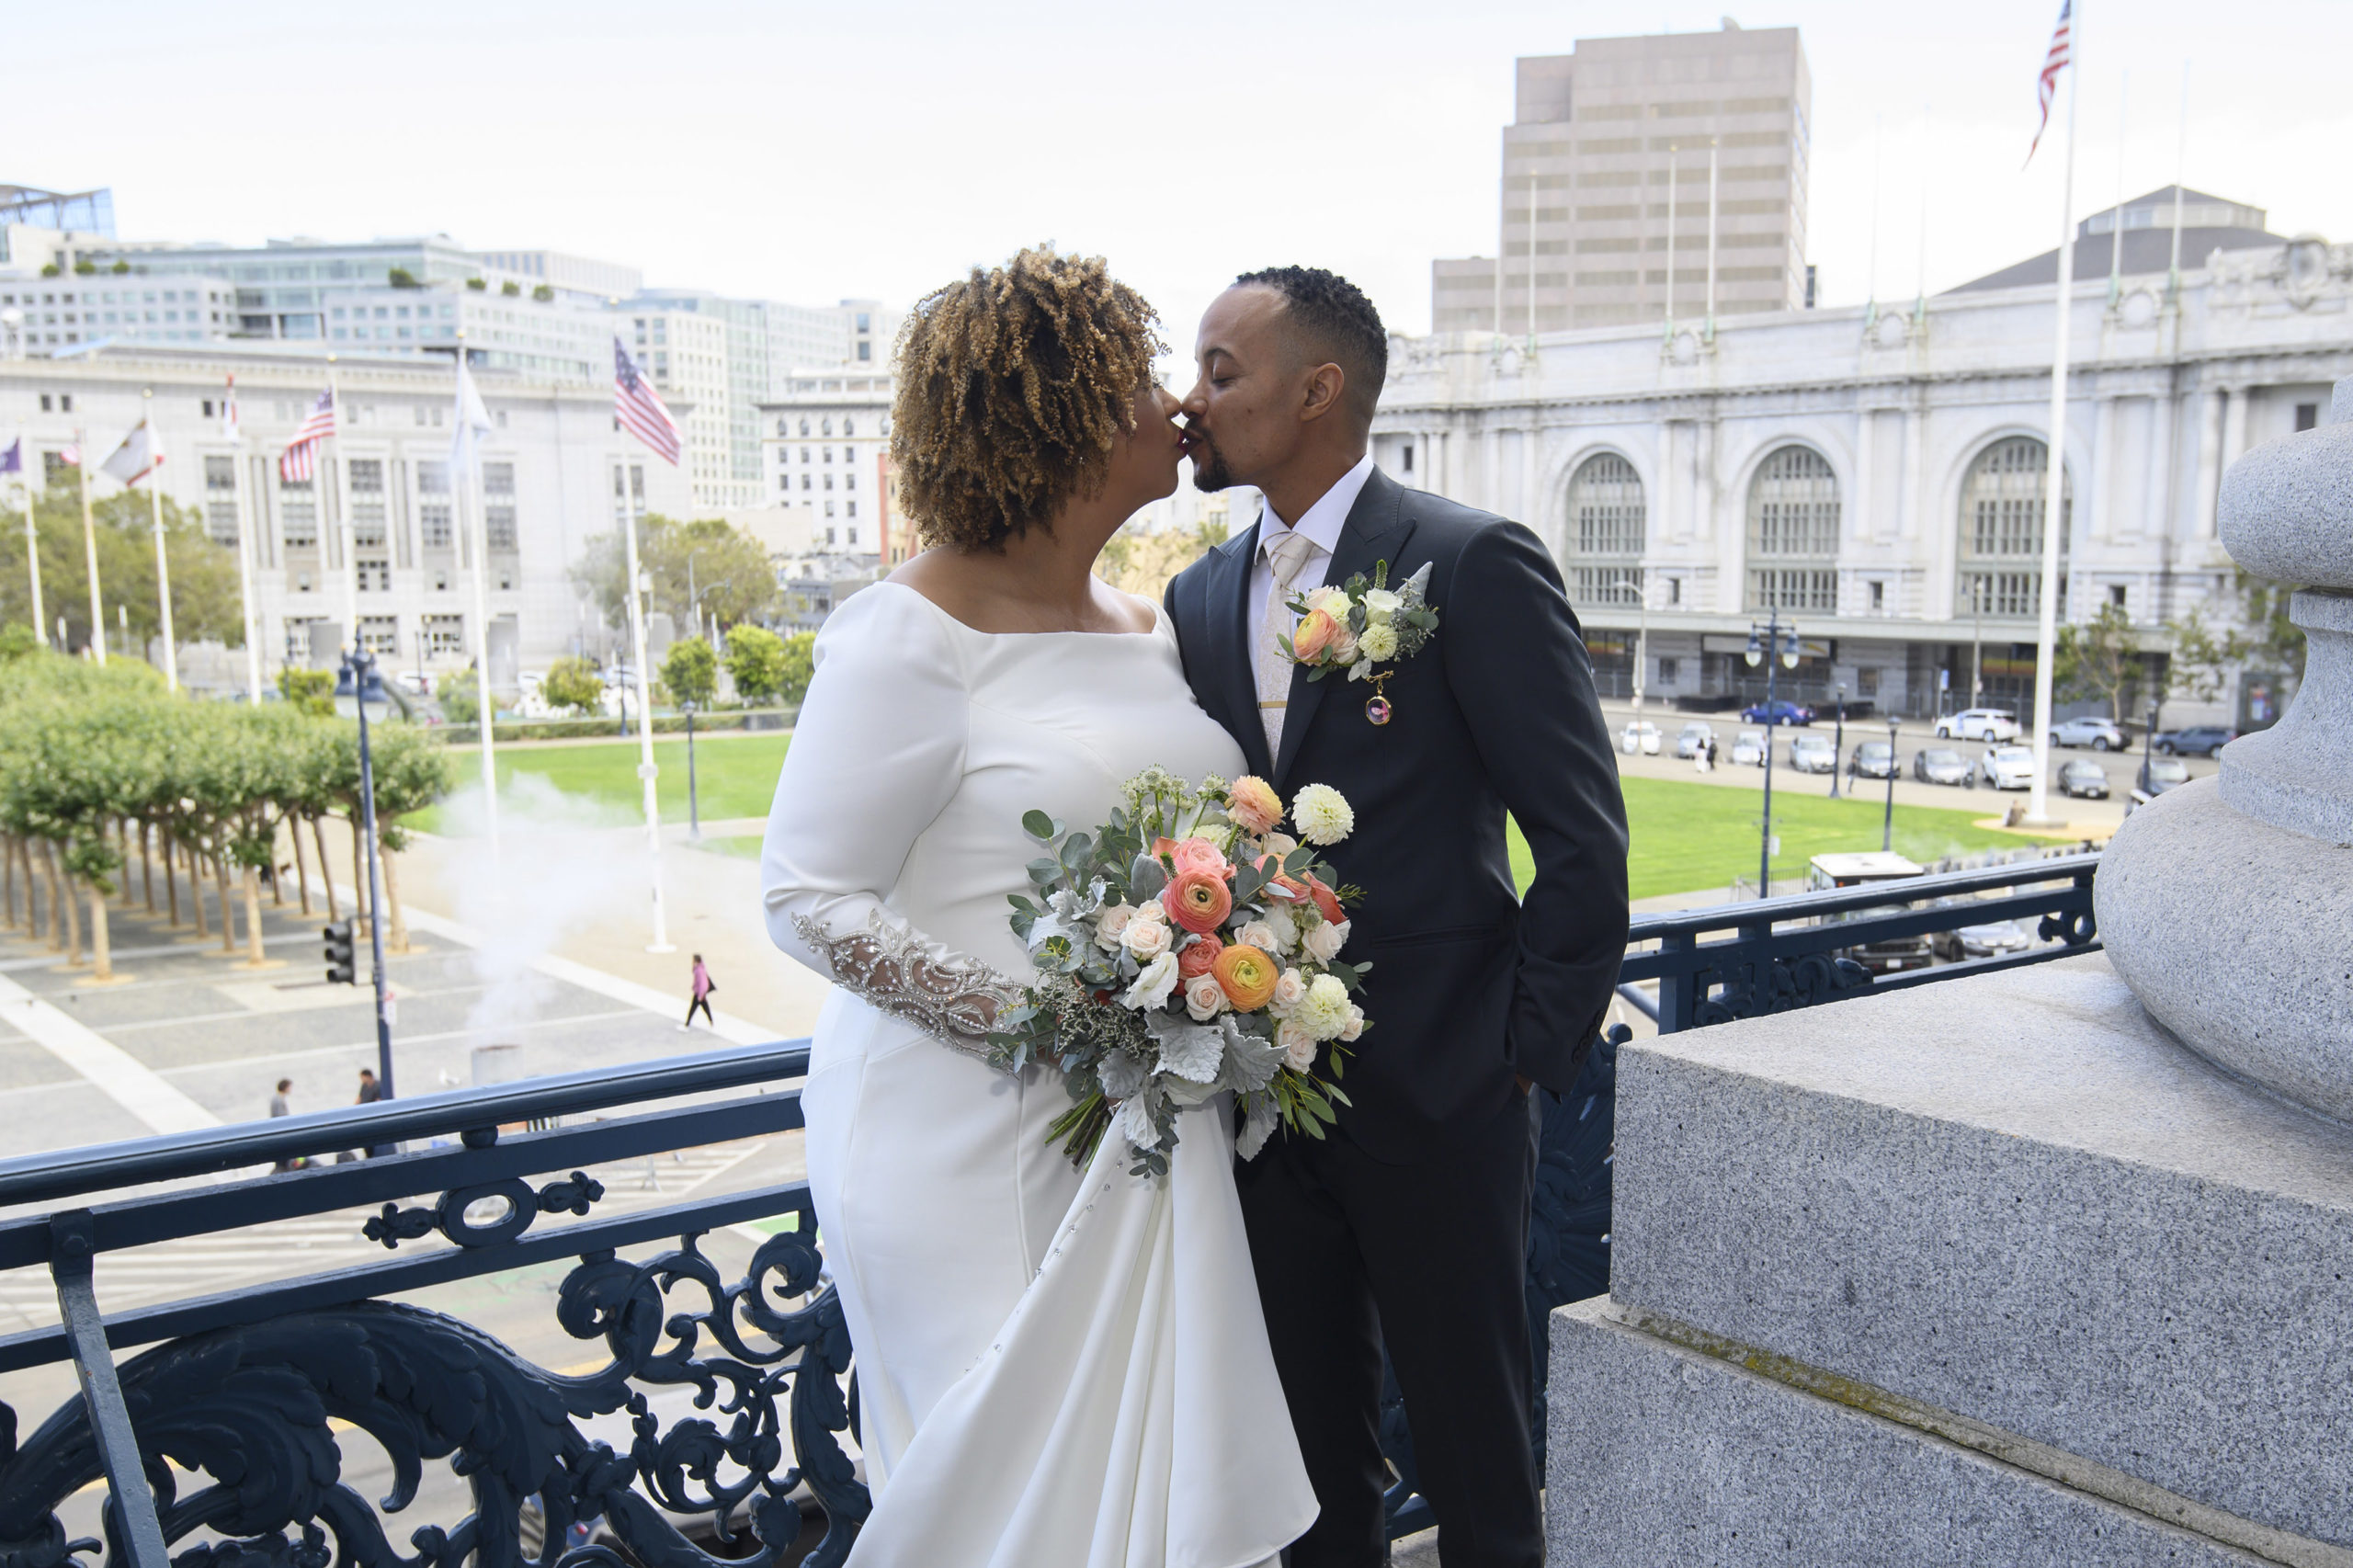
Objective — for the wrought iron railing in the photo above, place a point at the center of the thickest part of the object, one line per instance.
(246, 1388)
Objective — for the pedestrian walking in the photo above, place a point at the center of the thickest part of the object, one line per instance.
(369, 1092)
(279, 1107)
(702, 988)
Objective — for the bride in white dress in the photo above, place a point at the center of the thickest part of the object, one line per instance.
(1057, 1369)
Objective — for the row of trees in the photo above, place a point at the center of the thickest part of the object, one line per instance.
(2101, 659)
(102, 765)
(205, 606)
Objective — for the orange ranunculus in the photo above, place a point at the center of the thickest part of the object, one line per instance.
(1253, 805)
(1199, 855)
(1316, 629)
(1199, 956)
(1199, 900)
(1327, 903)
(1248, 976)
(1162, 848)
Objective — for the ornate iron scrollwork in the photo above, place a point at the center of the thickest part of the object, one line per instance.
(249, 1408)
(1779, 986)
(395, 1225)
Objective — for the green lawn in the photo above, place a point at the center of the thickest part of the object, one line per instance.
(734, 776)
(1685, 837)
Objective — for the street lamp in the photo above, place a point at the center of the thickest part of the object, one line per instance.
(1887, 827)
(1641, 589)
(1772, 638)
(359, 665)
(693, 814)
(1839, 743)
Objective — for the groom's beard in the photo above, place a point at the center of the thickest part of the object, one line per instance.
(1210, 472)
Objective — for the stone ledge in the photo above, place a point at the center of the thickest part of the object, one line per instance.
(2014, 1197)
(1676, 1458)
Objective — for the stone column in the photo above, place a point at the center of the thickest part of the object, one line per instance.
(1858, 520)
(2103, 471)
(2235, 427)
(2210, 449)
(1915, 494)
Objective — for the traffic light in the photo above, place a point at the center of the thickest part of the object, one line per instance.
(341, 968)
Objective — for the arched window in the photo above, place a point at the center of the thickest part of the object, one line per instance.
(849, 425)
(1606, 530)
(805, 425)
(2001, 531)
(828, 424)
(1794, 533)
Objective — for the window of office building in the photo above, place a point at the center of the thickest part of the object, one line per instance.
(635, 501)
(433, 513)
(381, 634)
(366, 479)
(220, 499)
(298, 513)
(2001, 531)
(498, 505)
(1794, 533)
(444, 634)
(1606, 526)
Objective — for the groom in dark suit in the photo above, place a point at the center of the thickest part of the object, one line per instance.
(1409, 1225)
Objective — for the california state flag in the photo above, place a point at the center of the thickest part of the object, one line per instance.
(140, 454)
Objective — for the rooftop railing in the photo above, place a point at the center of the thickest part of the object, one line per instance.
(239, 1396)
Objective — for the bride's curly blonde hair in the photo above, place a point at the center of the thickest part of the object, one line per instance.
(1013, 386)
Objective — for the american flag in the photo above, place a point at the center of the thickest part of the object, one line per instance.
(639, 410)
(296, 463)
(2058, 59)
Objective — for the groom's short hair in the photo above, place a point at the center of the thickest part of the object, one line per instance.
(1334, 320)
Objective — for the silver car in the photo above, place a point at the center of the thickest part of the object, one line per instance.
(1692, 738)
(1812, 754)
(2100, 734)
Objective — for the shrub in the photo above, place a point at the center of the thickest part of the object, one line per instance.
(460, 703)
(691, 671)
(542, 292)
(510, 287)
(308, 691)
(574, 683)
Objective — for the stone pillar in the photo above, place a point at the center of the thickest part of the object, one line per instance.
(1915, 493)
(2103, 472)
(1859, 511)
(2235, 427)
(2210, 451)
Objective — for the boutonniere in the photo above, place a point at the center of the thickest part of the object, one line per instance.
(1360, 627)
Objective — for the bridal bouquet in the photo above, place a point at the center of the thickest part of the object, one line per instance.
(1185, 948)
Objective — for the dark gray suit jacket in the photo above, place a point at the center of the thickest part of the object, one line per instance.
(1496, 715)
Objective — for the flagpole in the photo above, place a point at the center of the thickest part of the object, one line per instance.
(163, 560)
(236, 433)
(463, 490)
(90, 549)
(646, 769)
(342, 513)
(2054, 476)
(32, 540)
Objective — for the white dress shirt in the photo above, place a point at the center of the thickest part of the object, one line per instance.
(1322, 526)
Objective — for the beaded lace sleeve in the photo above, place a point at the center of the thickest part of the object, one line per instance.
(877, 754)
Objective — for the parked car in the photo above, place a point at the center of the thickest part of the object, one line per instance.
(1942, 765)
(2199, 740)
(1989, 939)
(1749, 748)
(2084, 780)
(1780, 710)
(1692, 738)
(2100, 734)
(2007, 767)
(2160, 774)
(1641, 735)
(1979, 724)
(1812, 754)
(1872, 759)
(1888, 955)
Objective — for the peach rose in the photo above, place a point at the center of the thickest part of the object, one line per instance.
(1248, 976)
(1199, 900)
(1198, 956)
(1316, 630)
(1199, 855)
(1204, 999)
(1253, 805)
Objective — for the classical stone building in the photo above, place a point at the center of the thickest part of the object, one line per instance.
(1873, 472)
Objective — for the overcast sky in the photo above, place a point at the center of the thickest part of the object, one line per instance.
(878, 147)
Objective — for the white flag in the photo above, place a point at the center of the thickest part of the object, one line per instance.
(229, 410)
(473, 420)
(140, 455)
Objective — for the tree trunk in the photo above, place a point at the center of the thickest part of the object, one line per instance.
(170, 847)
(326, 868)
(56, 916)
(196, 890)
(8, 877)
(146, 870)
(227, 921)
(399, 926)
(72, 910)
(123, 838)
(361, 912)
(277, 876)
(98, 946)
(301, 871)
(254, 955)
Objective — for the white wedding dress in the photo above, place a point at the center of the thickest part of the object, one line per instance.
(1056, 1370)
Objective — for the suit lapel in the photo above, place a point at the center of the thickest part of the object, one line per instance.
(1232, 675)
(1376, 527)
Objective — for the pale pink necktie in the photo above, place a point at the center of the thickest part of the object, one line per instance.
(1286, 556)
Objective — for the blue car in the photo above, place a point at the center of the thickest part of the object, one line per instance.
(1779, 711)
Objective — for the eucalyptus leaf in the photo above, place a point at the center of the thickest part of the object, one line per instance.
(1038, 825)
